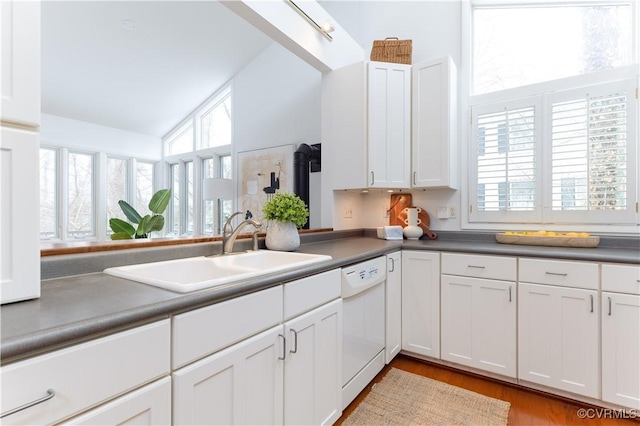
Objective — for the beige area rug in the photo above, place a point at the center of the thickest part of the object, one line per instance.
(403, 398)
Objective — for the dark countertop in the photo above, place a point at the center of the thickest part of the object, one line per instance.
(82, 307)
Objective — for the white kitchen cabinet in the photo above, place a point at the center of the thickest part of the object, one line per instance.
(434, 121)
(393, 307)
(421, 303)
(150, 405)
(389, 125)
(558, 332)
(621, 335)
(242, 384)
(19, 151)
(312, 366)
(479, 323)
(85, 375)
(20, 88)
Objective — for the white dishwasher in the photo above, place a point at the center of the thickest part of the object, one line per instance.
(363, 325)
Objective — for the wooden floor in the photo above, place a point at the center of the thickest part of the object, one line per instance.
(527, 407)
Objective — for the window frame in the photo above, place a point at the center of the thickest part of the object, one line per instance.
(465, 119)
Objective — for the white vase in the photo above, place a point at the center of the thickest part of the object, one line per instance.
(282, 236)
(412, 231)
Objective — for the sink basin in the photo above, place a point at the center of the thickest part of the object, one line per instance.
(197, 273)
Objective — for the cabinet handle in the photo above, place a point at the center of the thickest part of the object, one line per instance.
(609, 305)
(509, 294)
(50, 394)
(476, 266)
(393, 264)
(284, 347)
(372, 180)
(556, 274)
(591, 296)
(295, 342)
(414, 178)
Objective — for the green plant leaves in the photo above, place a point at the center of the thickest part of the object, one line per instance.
(120, 236)
(160, 201)
(120, 226)
(156, 223)
(142, 226)
(129, 212)
(286, 207)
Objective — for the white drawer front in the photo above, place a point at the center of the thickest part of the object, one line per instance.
(621, 278)
(207, 330)
(85, 375)
(479, 266)
(560, 272)
(307, 293)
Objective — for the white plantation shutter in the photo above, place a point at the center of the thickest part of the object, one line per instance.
(504, 162)
(593, 147)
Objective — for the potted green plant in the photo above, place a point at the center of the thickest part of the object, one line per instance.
(123, 230)
(286, 212)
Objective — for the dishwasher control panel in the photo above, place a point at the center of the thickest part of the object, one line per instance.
(361, 276)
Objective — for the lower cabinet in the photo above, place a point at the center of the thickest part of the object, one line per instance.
(479, 323)
(421, 303)
(242, 384)
(393, 307)
(312, 367)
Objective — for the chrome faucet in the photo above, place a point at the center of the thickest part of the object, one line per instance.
(229, 234)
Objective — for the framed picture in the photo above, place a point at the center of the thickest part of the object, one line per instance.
(261, 173)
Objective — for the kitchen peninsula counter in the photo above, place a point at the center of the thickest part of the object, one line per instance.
(88, 304)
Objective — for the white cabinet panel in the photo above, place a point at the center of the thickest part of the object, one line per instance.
(560, 272)
(393, 308)
(307, 293)
(312, 380)
(242, 384)
(479, 323)
(621, 278)
(150, 405)
(421, 302)
(558, 338)
(479, 266)
(86, 374)
(434, 112)
(19, 215)
(20, 26)
(621, 349)
(389, 118)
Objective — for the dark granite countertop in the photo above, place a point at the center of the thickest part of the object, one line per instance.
(77, 308)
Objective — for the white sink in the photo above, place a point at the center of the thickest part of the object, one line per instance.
(197, 273)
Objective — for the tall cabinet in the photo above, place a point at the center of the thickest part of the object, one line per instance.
(19, 151)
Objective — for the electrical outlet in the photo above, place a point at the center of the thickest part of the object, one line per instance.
(452, 211)
(348, 213)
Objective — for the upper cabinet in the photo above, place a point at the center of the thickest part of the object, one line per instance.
(20, 61)
(434, 109)
(391, 125)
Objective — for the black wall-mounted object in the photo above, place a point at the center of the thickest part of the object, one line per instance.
(306, 159)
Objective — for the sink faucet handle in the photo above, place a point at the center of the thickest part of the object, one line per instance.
(248, 215)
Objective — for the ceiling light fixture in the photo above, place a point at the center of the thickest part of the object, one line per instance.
(324, 30)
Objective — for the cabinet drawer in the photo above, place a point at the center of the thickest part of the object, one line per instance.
(559, 272)
(307, 293)
(85, 375)
(469, 265)
(207, 330)
(621, 278)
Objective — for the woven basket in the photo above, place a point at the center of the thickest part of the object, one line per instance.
(391, 49)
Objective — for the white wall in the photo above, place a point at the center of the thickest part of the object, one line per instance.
(434, 27)
(84, 136)
(277, 102)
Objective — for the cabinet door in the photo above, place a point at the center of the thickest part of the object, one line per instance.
(393, 308)
(150, 405)
(19, 215)
(389, 135)
(479, 323)
(20, 88)
(242, 384)
(312, 378)
(558, 338)
(434, 143)
(621, 349)
(421, 303)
